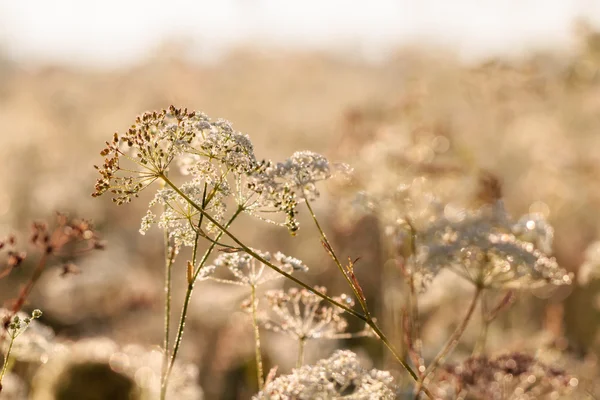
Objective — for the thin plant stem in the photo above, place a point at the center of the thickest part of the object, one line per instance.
(414, 305)
(369, 319)
(257, 347)
(24, 294)
(248, 250)
(188, 297)
(451, 343)
(167, 289)
(485, 324)
(336, 259)
(301, 346)
(415, 332)
(6, 359)
(169, 259)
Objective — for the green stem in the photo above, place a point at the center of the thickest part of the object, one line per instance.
(170, 255)
(248, 250)
(257, 350)
(301, 346)
(169, 259)
(336, 259)
(188, 295)
(451, 343)
(6, 360)
(392, 349)
(485, 323)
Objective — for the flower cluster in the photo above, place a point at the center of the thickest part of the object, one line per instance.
(247, 271)
(283, 184)
(34, 339)
(301, 314)
(221, 163)
(486, 248)
(151, 143)
(339, 377)
(180, 218)
(515, 376)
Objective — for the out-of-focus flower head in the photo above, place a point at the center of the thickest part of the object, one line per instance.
(515, 376)
(100, 366)
(483, 247)
(339, 377)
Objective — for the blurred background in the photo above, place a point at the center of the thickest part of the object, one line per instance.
(429, 92)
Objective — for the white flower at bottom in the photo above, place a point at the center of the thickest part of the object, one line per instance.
(339, 377)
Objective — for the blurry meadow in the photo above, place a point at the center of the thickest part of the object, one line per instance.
(423, 133)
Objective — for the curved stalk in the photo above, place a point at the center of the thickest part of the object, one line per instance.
(485, 323)
(450, 344)
(169, 258)
(6, 359)
(257, 351)
(336, 259)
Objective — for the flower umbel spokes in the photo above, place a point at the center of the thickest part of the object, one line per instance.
(221, 171)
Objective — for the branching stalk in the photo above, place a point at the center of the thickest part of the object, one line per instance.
(335, 258)
(450, 344)
(188, 294)
(258, 257)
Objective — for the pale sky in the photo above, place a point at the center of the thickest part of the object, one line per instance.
(117, 32)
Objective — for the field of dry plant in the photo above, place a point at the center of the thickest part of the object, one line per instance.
(430, 141)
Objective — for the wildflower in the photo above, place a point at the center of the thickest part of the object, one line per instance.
(159, 138)
(482, 248)
(32, 341)
(515, 375)
(280, 185)
(301, 172)
(341, 377)
(100, 366)
(248, 271)
(151, 143)
(180, 218)
(271, 196)
(301, 314)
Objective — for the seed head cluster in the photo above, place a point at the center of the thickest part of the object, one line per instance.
(221, 165)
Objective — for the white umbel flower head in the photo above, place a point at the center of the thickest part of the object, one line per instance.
(339, 377)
